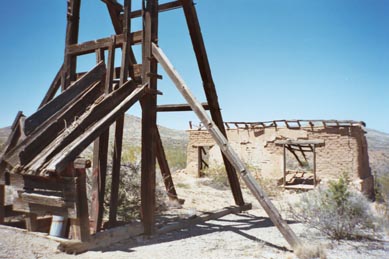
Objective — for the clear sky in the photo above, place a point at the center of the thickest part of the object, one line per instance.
(271, 59)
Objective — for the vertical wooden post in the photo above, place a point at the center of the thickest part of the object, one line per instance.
(99, 170)
(31, 222)
(149, 115)
(72, 28)
(210, 89)
(314, 165)
(199, 162)
(80, 226)
(284, 164)
(2, 203)
(118, 142)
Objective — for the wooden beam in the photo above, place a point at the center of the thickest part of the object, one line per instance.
(101, 239)
(30, 147)
(104, 43)
(66, 98)
(59, 162)
(209, 88)
(161, 8)
(96, 112)
(149, 116)
(300, 142)
(178, 107)
(294, 154)
(100, 153)
(164, 167)
(53, 88)
(227, 150)
(72, 29)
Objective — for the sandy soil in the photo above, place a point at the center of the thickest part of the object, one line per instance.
(246, 235)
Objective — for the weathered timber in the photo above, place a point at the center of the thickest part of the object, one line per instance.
(161, 8)
(2, 203)
(104, 43)
(66, 98)
(149, 116)
(72, 29)
(80, 225)
(101, 239)
(43, 199)
(47, 183)
(80, 126)
(30, 147)
(178, 107)
(126, 69)
(53, 88)
(164, 167)
(59, 162)
(13, 138)
(226, 148)
(209, 88)
(41, 210)
(186, 223)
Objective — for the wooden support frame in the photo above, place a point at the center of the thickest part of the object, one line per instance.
(226, 148)
(209, 88)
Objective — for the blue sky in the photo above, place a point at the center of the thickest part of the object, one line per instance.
(273, 59)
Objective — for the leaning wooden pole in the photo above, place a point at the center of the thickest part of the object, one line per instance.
(227, 150)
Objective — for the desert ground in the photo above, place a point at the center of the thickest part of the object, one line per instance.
(246, 235)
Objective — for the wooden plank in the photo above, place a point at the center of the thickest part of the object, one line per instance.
(101, 239)
(53, 88)
(161, 8)
(59, 162)
(209, 88)
(30, 147)
(178, 107)
(20, 206)
(43, 199)
(104, 43)
(95, 113)
(13, 138)
(48, 183)
(186, 223)
(149, 116)
(65, 99)
(226, 148)
(300, 142)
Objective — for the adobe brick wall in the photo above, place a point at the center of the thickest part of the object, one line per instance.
(344, 150)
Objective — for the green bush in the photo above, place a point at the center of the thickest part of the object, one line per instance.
(336, 211)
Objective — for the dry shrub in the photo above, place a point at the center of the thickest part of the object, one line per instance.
(336, 212)
(310, 252)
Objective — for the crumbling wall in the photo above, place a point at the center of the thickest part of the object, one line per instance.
(344, 151)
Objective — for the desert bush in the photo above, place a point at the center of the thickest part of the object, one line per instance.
(382, 200)
(176, 157)
(129, 199)
(218, 177)
(336, 211)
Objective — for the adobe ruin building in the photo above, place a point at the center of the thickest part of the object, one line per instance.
(320, 149)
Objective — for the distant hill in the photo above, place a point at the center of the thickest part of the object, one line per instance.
(378, 142)
(378, 145)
